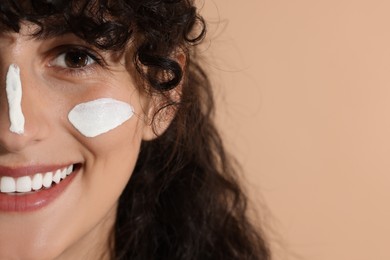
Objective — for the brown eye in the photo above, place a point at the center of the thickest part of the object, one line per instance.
(73, 59)
(76, 59)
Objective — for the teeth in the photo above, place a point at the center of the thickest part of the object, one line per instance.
(69, 170)
(57, 176)
(7, 184)
(34, 182)
(63, 174)
(37, 181)
(23, 184)
(47, 179)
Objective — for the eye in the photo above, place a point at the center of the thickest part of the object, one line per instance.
(73, 59)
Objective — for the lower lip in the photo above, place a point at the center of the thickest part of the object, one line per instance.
(34, 200)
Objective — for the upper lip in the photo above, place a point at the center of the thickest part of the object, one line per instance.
(30, 170)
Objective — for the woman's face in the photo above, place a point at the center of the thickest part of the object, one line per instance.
(74, 216)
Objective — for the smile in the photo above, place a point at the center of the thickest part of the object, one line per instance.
(30, 188)
(34, 182)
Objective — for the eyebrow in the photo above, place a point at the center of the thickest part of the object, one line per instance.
(46, 28)
(51, 30)
(51, 27)
(65, 35)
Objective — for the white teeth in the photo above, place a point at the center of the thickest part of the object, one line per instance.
(7, 184)
(34, 182)
(37, 181)
(47, 179)
(69, 170)
(57, 176)
(63, 174)
(23, 184)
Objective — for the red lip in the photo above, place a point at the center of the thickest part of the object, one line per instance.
(34, 200)
(29, 170)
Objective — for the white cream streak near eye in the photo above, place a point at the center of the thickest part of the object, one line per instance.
(99, 116)
(14, 96)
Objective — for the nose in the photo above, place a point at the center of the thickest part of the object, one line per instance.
(14, 136)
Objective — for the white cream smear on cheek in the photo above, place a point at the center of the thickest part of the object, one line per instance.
(99, 116)
(14, 96)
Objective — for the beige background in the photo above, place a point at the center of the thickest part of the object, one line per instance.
(304, 93)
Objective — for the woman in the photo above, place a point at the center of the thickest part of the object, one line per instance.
(108, 148)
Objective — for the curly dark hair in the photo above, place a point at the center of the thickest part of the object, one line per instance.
(183, 200)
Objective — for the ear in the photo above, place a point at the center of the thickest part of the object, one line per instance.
(162, 107)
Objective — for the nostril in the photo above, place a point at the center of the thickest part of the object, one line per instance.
(14, 97)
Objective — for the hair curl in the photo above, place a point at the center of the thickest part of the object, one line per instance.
(183, 200)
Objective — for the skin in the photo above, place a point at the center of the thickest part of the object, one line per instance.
(77, 224)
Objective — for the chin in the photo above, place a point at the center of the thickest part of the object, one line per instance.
(31, 250)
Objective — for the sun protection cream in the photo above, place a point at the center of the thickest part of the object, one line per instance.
(99, 116)
(14, 96)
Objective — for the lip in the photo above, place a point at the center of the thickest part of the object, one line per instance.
(31, 201)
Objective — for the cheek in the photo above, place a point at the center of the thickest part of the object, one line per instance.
(109, 132)
(99, 116)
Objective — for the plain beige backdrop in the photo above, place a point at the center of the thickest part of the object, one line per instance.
(304, 103)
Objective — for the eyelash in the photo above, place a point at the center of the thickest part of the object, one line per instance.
(82, 71)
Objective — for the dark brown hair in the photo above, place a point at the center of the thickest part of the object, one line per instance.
(183, 200)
